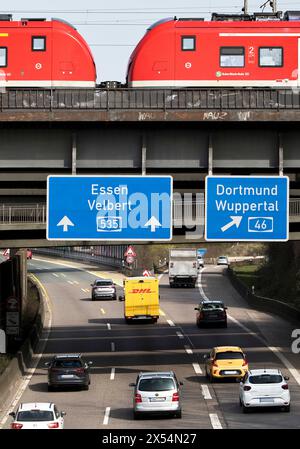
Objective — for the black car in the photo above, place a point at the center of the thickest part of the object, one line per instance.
(211, 312)
(68, 370)
(103, 288)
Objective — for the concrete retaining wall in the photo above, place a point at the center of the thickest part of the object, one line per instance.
(280, 308)
(18, 368)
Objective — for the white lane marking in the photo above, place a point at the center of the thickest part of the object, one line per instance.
(215, 422)
(294, 372)
(86, 290)
(62, 274)
(83, 289)
(162, 313)
(179, 334)
(112, 374)
(56, 275)
(188, 349)
(106, 416)
(103, 311)
(205, 392)
(197, 368)
(70, 282)
(170, 322)
(75, 282)
(37, 357)
(108, 326)
(113, 346)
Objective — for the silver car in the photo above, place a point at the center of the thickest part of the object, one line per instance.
(222, 260)
(157, 393)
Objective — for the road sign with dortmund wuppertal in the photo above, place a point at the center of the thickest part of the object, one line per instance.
(245, 208)
(109, 208)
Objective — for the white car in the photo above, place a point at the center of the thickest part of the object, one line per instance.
(264, 388)
(38, 415)
(222, 260)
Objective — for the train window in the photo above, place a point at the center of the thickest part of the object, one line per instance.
(188, 43)
(270, 57)
(3, 56)
(232, 56)
(38, 43)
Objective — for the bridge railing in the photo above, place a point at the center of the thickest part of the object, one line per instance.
(149, 99)
(183, 211)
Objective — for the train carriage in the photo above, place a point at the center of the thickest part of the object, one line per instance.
(180, 53)
(44, 54)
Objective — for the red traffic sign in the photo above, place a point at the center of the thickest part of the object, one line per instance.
(130, 252)
(146, 273)
(129, 259)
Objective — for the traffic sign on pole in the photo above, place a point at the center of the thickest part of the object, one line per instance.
(109, 208)
(129, 259)
(247, 208)
(130, 252)
(146, 273)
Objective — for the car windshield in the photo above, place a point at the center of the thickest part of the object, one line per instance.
(212, 306)
(157, 384)
(229, 355)
(35, 415)
(67, 364)
(103, 283)
(265, 379)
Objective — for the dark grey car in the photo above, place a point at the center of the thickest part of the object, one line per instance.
(68, 370)
(211, 312)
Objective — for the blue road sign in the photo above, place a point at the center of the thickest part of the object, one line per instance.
(109, 207)
(245, 208)
(201, 251)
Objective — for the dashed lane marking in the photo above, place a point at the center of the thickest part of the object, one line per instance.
(215, 422)
(103, 311)
(70, 282)
(56, 275)
(170, 322)
(108, 326)
(197, 368)
(112, 374)
(188, 350)
(106, 416)
(180, 335)
(162, 313)
(113, 346)
(205, 392)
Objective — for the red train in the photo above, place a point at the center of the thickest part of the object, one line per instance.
(230, 51)
(40, 53)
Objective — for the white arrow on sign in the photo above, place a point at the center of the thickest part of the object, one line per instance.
(235, 221)
(65, 222)
(153, 222)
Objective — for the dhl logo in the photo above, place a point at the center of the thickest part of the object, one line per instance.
(141, 290)
(3, 34)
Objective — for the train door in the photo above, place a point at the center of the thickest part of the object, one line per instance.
(298, 62)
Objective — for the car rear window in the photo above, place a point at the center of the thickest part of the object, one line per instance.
(229, 355)
(103, 283)
(265, 379)
(35, 415)
(67, 364)
(212, 306)
(157, 384)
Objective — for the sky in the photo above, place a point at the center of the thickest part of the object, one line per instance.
(112, 29)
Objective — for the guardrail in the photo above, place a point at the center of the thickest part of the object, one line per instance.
(183, 211)
(159, 99)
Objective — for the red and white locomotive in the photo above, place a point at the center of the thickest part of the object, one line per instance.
(40, 53)
(234, 51)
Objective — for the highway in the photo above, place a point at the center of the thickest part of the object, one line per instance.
(119, 351)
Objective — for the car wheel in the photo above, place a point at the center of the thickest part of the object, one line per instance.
(224, 325)
(51, 388)
(241, 404)
(115, 298)
(287, 408)
(85, 387)
(206, 373)
(93, 298)
(245, 409)
(198, 324)
(136, 415)
(211, 378)
(154, 320)
(178, 415)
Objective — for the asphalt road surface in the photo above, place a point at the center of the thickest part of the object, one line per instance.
(120, 351)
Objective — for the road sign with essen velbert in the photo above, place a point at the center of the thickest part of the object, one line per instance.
(109, 208)
(246, 208)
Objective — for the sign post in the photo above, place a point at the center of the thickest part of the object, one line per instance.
(115, 208)
(247, 208)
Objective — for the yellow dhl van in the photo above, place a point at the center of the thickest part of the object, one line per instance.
(141, 298)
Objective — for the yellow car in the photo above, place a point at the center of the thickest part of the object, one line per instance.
(225, 361)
